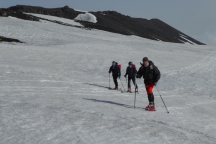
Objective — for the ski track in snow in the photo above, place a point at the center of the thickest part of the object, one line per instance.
(54, 88)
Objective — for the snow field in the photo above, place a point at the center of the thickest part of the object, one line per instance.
(54, 88)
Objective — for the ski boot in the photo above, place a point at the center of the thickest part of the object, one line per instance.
(136, 89)
(151, 107)
(129, 90)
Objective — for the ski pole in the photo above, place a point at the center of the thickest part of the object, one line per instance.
(109, 80)
(136, 87)
(126, 80)
(122, 84)
(162, 99)
(135, 94)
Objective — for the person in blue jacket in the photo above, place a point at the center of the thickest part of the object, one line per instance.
(116, 73)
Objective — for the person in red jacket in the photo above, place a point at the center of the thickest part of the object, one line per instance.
(151, 75)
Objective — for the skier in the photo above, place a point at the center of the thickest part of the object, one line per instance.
(131, 72)
(151, 75)
(116, 73)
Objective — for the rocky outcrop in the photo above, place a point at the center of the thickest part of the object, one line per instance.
(17, 14)
(154, 29)
(64, 12)
(4, 39)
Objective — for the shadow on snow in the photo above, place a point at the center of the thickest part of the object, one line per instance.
(97, 85)
(113, 103)
(101, 86)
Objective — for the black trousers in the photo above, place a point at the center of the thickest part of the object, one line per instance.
(129, 80)
(115, 80)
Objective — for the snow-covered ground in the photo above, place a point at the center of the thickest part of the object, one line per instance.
(53, 89)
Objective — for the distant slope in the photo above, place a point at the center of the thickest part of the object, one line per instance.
(154, 29)
(112, 21)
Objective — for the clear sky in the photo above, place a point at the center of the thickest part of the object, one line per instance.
(196, 18)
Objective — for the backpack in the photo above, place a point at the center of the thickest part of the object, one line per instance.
(134, 67)
(118, 65)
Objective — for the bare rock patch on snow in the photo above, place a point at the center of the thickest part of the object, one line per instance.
(4, 39)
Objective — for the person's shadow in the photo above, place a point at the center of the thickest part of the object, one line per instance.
(111, 102)
(97, 85)
(120, 89)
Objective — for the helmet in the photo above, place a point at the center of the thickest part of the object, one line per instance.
(130, 63)
(145, 59)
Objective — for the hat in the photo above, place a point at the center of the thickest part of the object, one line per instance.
(145, 59)
(113, 62)
(130, 63)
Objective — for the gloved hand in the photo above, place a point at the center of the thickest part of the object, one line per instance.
(138, 76)
(155, 83)
(119, 77)
(125, 76)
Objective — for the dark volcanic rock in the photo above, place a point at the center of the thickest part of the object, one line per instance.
(111, 21)
(4, 39)
(18, 14)
(154, 29)
(64, 12)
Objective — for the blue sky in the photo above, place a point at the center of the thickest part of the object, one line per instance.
(195, 18)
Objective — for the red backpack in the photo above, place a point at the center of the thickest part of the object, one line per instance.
(134, 67)
(119, 66)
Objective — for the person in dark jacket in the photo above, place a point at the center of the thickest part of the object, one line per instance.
(151, 75)
(116, 72)
(131, 72)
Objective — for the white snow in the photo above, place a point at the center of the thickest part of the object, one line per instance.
(81, 11)
(54, 18)
(185, 38)
(53, 89)
(86, 17)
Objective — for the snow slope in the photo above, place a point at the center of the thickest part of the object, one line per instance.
(54, 88)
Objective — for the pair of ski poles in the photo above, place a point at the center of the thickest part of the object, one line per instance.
(135, 92)
(124, 88)
(119, 79)
(159, 94)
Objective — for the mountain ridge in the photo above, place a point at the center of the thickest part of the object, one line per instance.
(111, 21)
